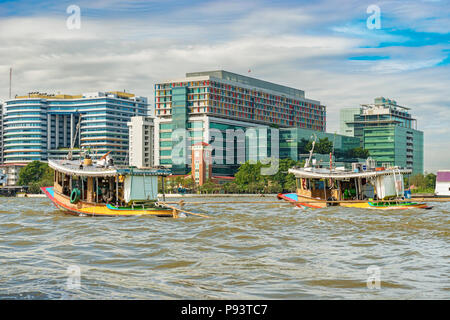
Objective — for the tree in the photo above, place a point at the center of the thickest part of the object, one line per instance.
(290, 185)
(430, 181)
(284, 179)
(323, 146)
(209, 187)
(189, 183)
(36, 175)
(418, 181)
(358, 153)
(423, 183)
(248, 173)
(231, 187)
(302, 145)
(33, 172)
(249, 178)
(273, 187)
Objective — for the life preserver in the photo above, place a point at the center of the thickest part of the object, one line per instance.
(75, 195)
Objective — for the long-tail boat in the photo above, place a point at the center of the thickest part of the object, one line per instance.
(103, 189)
(375, 188)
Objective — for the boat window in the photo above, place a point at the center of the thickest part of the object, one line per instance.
(60, 177)
(319, 184)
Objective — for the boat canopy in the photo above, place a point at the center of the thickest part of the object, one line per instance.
(321, 173)
(74, 168)
(140, 188)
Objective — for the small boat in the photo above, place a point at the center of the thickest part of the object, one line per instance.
(373, 188)
(102, 189)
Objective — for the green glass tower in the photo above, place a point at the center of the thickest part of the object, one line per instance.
(389, 132)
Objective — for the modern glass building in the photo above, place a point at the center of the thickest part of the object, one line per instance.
(389, 132)
(291, 143)
(347, 115)
(207, 103)
(38, 125)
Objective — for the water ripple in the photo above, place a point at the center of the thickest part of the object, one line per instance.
(245, 251)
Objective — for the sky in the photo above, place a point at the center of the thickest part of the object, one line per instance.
(333, 50)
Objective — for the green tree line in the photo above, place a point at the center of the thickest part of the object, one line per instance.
(325, 146)
(423, 183)
(36, 175)
(248, 179)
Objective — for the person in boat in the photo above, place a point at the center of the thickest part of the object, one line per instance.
(368, 191)
(107, 195)
(66, 187)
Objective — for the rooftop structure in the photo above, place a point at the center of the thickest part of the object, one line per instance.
(388, 131)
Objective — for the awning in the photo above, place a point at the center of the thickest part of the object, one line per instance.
(73, 168)
(326, 174)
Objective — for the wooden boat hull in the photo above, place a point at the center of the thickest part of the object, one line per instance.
(88, 209)
(392, 205)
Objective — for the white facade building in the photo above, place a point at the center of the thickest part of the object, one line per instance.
(40, 126)
(141, 144)
(11, 172)
(1, 132)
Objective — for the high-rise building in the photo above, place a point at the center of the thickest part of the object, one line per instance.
(141, 136)
(389, 132)
(347, 115)
(201, 163)
(203, 103)
(292, 143)
(38, 126)
(1, 133)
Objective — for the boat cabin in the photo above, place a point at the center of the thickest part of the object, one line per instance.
(341, 185)
(85, 182)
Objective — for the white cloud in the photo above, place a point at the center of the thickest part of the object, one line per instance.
(278, 45)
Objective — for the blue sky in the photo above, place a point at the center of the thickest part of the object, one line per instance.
(322, 47)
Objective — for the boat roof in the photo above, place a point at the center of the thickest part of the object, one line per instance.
(322, 173)
(73, 167)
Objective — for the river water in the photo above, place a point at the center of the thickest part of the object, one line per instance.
(245, 251)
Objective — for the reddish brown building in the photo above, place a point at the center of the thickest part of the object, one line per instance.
(201, 163)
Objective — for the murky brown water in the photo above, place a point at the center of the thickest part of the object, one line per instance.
(246, 251)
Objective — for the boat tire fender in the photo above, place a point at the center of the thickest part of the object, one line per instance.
(75, 195)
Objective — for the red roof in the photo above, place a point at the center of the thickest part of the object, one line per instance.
(223, 177)
(201, 144)
(13, 164)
